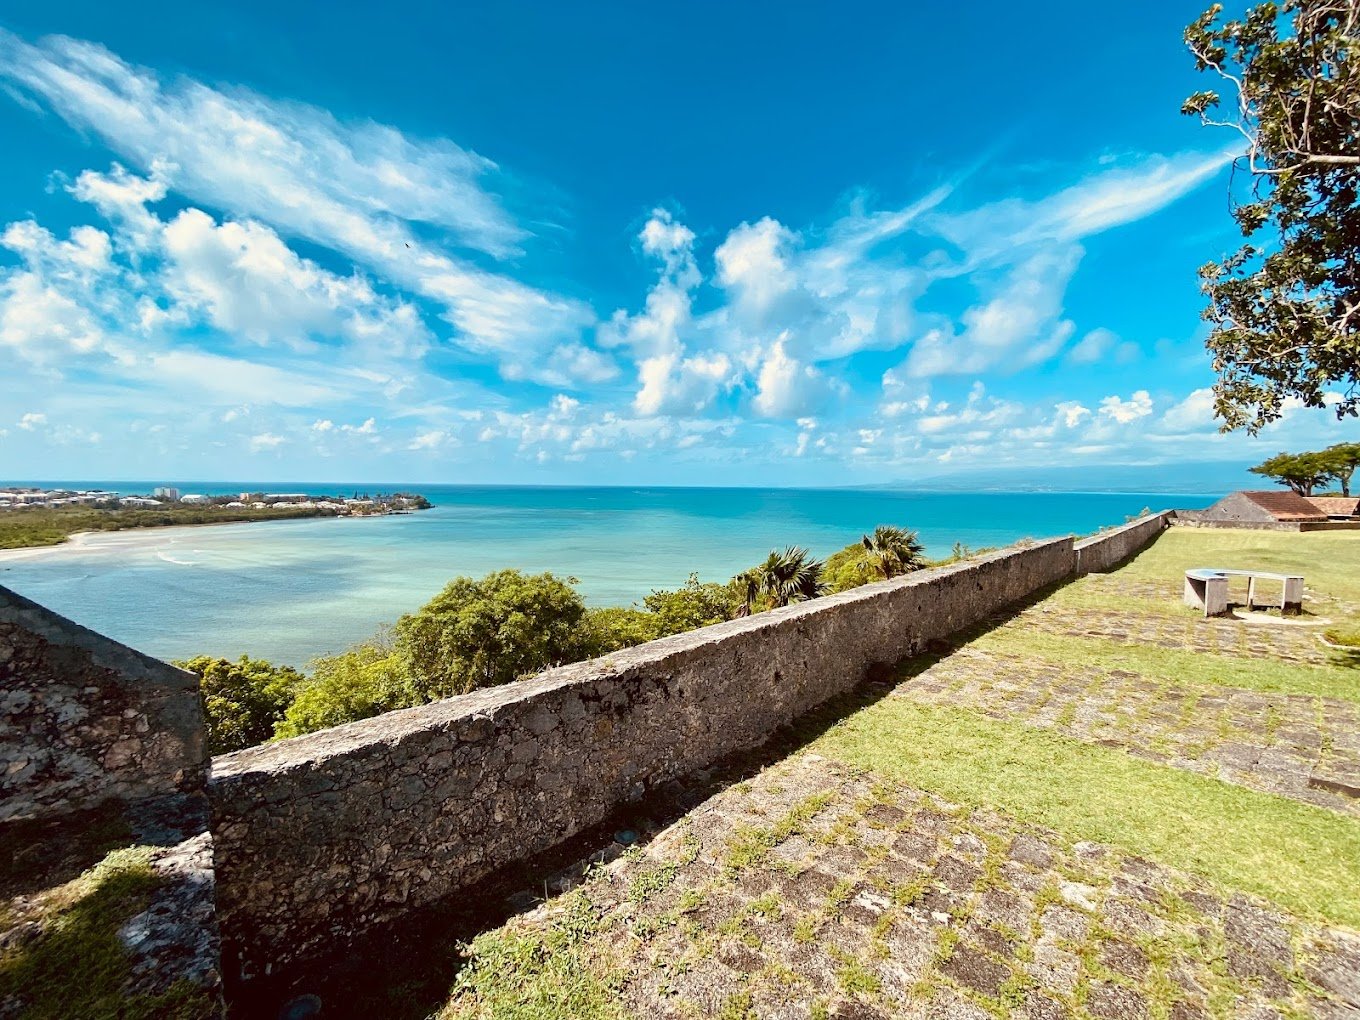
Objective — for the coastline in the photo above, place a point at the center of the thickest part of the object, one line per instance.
(79, 539)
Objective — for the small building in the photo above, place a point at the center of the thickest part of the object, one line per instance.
(236, 504)
(1337, 508)
(141, 502)
(1277, 506)
(195, 498)
(166, 492)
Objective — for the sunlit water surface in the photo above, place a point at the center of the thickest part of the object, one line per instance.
(290, 590)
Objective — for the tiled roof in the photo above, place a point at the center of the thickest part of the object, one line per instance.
(1286, 506)
(1337, 506)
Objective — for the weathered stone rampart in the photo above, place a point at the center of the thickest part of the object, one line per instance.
(320, 837)
(84, 719)
(88, 725)
(1108, 549)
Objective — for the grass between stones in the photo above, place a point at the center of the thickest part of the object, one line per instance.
(544, 972)
(1267, 675)
(72, 962)
(1303, 857)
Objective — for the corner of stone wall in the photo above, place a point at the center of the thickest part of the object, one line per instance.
(1111, 549)
(89, 726)
(85, 719)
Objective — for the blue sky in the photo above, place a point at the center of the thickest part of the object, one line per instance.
(817, 244)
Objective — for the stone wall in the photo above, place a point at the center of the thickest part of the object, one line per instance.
(1107, 550)
(320, 837)
(1192, 519)
(84, 719)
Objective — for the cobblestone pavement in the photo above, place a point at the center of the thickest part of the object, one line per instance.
(1301, 746)
(1287, 744)
(1148, 613)
(813, 892)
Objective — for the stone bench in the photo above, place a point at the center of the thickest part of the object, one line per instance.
(1207, 588)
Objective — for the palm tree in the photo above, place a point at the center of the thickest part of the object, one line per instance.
(894, 550)
(788, 576)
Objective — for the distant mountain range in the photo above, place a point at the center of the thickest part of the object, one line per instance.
(1198, 477)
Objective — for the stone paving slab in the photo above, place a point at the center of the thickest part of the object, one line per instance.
(813, 892)
(1272, 742)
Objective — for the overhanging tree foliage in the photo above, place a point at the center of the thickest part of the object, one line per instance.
(1285, 308)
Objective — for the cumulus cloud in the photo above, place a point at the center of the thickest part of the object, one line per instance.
(1194, 413)
(265, 441)
(787, 388)
(1124, 411)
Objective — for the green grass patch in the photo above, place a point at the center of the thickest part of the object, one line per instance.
(77, 966)
(749, 844)
(1185, 667)
(544, 972)
(1328, 560)
(1348, 636)
(1302, 857)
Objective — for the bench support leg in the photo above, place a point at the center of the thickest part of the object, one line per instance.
(1292, 602)
(1194, 593)
(1216, 596)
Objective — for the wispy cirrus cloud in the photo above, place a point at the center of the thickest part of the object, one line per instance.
(362, 189)
(756, 339)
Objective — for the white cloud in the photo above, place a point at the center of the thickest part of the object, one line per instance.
(1193, 414)
(1109, 198)
(1020, 325)
(785, 387)
(228, 380)
(1071, 413)
(32, 420)
(265, 441)
(1124, 411)
(361, 189)
(428, 440)
(1101, 345)
(684, 387)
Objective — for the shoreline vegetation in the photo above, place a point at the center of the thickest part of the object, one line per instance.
(42, 526)
(485, 632)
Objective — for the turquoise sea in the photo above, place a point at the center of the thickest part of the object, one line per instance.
(290, 590)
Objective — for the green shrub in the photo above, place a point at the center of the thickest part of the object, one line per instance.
(244, 700)
(367, 680)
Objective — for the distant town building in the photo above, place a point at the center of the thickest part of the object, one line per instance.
(166, 492)
(195, 498)
(141, 502)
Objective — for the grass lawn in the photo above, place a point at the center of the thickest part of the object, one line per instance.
(1305, 858)
(1328, 560)
(1331, 681)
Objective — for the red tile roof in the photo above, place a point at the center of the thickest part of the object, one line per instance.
(1337, 506)
(1286, 506)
